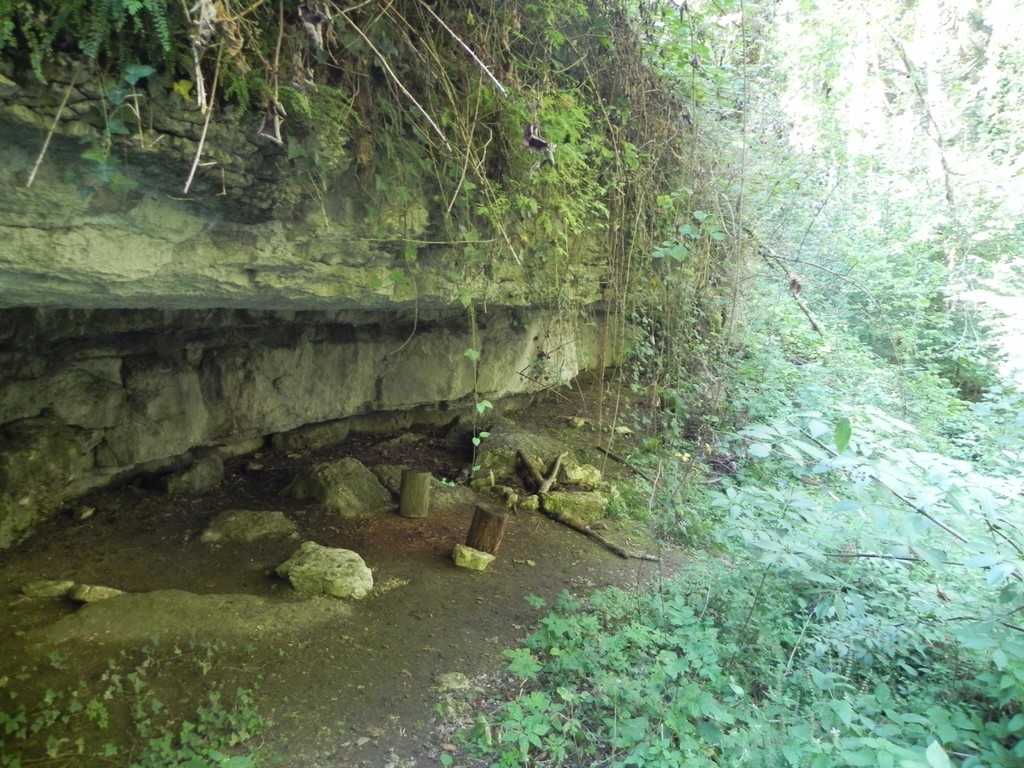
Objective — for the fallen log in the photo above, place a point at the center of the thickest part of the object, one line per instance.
(615, 457)
(578, 525)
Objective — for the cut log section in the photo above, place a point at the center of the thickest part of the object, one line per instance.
(487, 528)
(414, 496)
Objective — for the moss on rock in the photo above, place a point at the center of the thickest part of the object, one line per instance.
(38, 458)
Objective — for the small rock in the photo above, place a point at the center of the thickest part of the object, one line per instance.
(531, 503)
(507, 495)
(82, 512)
(390, 476)
(577, 422)
(452, 681)
(623, 430)
(316, 570)
(474, 559)
(405, 439)
(583, 475)
(92, 593)
(587, 506)
(247, 526)
(48, 588)
(204, 474)
(310, 437)
(483, 481)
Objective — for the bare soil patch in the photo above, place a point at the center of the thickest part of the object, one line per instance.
(341, 682)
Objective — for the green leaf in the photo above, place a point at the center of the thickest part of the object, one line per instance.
(817, 427)
(116, 127)
(523, 663)
(678, 252)
(472, 354)
(135, 72)
(117, 96)
(183, 88)
(842, 433)
(95, 154)
(844, 710)
(932, 556)
(984, 560)
(937, 757)
(759, 450)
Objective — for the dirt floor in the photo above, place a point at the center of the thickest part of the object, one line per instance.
(338, 682)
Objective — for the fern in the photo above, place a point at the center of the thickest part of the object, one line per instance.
(102, 19)
(39, 35)
(6, 33)
(116, 32)
(158, 15)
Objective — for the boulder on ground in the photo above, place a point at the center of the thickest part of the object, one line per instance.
(39, 457)
(587, 506)
(581, 475)
(452, 498)
(498, 458)
(92, 593)
(247, 526)
(204, 474)
(390, 476)
(498, 452)
(474, 559)
(346, 487)
(316, 570)
(48, 588)
(310, 436)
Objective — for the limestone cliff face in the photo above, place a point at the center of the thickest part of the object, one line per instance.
(141, 326)
(90, 397)
(116, 229)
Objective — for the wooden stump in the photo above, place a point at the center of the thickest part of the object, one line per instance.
(414, 496)
(487, 529)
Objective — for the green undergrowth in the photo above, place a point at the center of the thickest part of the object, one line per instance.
(141, 710)
(699, 673)
(850, 595)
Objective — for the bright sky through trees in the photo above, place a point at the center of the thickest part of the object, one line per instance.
(914, 113)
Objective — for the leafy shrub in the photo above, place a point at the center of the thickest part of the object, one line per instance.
(123, 718)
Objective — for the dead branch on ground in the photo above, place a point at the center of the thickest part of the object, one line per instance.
(543, 485)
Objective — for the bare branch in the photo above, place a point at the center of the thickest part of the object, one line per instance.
(465, 47)
(398, 82)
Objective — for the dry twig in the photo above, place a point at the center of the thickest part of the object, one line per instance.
(53, 128)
